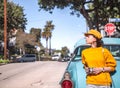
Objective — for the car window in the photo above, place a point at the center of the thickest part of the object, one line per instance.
(78, 51)
(29, 55)
(55, 55)
(114, 49)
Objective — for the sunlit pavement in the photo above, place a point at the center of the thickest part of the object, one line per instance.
(41, 74)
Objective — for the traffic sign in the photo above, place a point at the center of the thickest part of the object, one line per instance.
(110, 28)
(37, 48)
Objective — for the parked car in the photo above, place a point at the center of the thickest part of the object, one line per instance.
(14, 58)
(55, 57)
(65, 59)
(27, 58)
(75, 66)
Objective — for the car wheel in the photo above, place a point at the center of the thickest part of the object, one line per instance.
(21, 61)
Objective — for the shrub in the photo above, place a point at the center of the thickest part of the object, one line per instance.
(4, 61)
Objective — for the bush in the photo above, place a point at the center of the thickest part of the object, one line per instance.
(1, 56)
(4, 61)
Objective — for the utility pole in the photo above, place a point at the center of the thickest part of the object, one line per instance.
(5, 29)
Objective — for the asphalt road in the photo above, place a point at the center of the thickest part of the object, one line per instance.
(41, 74)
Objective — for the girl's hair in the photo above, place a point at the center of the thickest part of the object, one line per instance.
(99, 42)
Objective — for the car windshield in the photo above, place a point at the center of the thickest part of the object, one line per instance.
(79, 49)
(29, 55)
(114, 49)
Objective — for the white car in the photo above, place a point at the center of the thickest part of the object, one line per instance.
(55, 57)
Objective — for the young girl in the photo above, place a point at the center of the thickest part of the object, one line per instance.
(98, 62)
(67, 82)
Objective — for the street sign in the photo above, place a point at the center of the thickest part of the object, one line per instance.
(37, 48)
(114, 19)
(110, 28)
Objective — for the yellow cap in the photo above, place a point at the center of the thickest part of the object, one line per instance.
(94, 32)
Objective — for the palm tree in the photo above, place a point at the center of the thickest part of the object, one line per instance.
(50, 27)
(47, 34)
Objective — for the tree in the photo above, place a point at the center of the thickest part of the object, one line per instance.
(96, 12)
(100, 11)
(15, 17)
(37, 32)
(47, 34)
(64, 51)
(26, 41)
(50, 27)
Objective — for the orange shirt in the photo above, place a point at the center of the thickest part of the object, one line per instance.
(98, 57)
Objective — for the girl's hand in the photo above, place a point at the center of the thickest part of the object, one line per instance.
(97, 70)
(87, 70)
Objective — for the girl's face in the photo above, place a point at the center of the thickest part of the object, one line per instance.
(90, 39)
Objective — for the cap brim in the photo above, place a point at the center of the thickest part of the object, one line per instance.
(87, 34)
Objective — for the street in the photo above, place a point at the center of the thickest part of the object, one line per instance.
(39, 74)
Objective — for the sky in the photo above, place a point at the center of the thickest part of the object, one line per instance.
(68, 28)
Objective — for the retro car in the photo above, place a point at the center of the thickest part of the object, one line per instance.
(75, 66)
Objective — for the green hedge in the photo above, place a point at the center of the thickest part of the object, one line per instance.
(4, 61)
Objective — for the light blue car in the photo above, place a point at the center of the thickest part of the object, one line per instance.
(75, 66)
